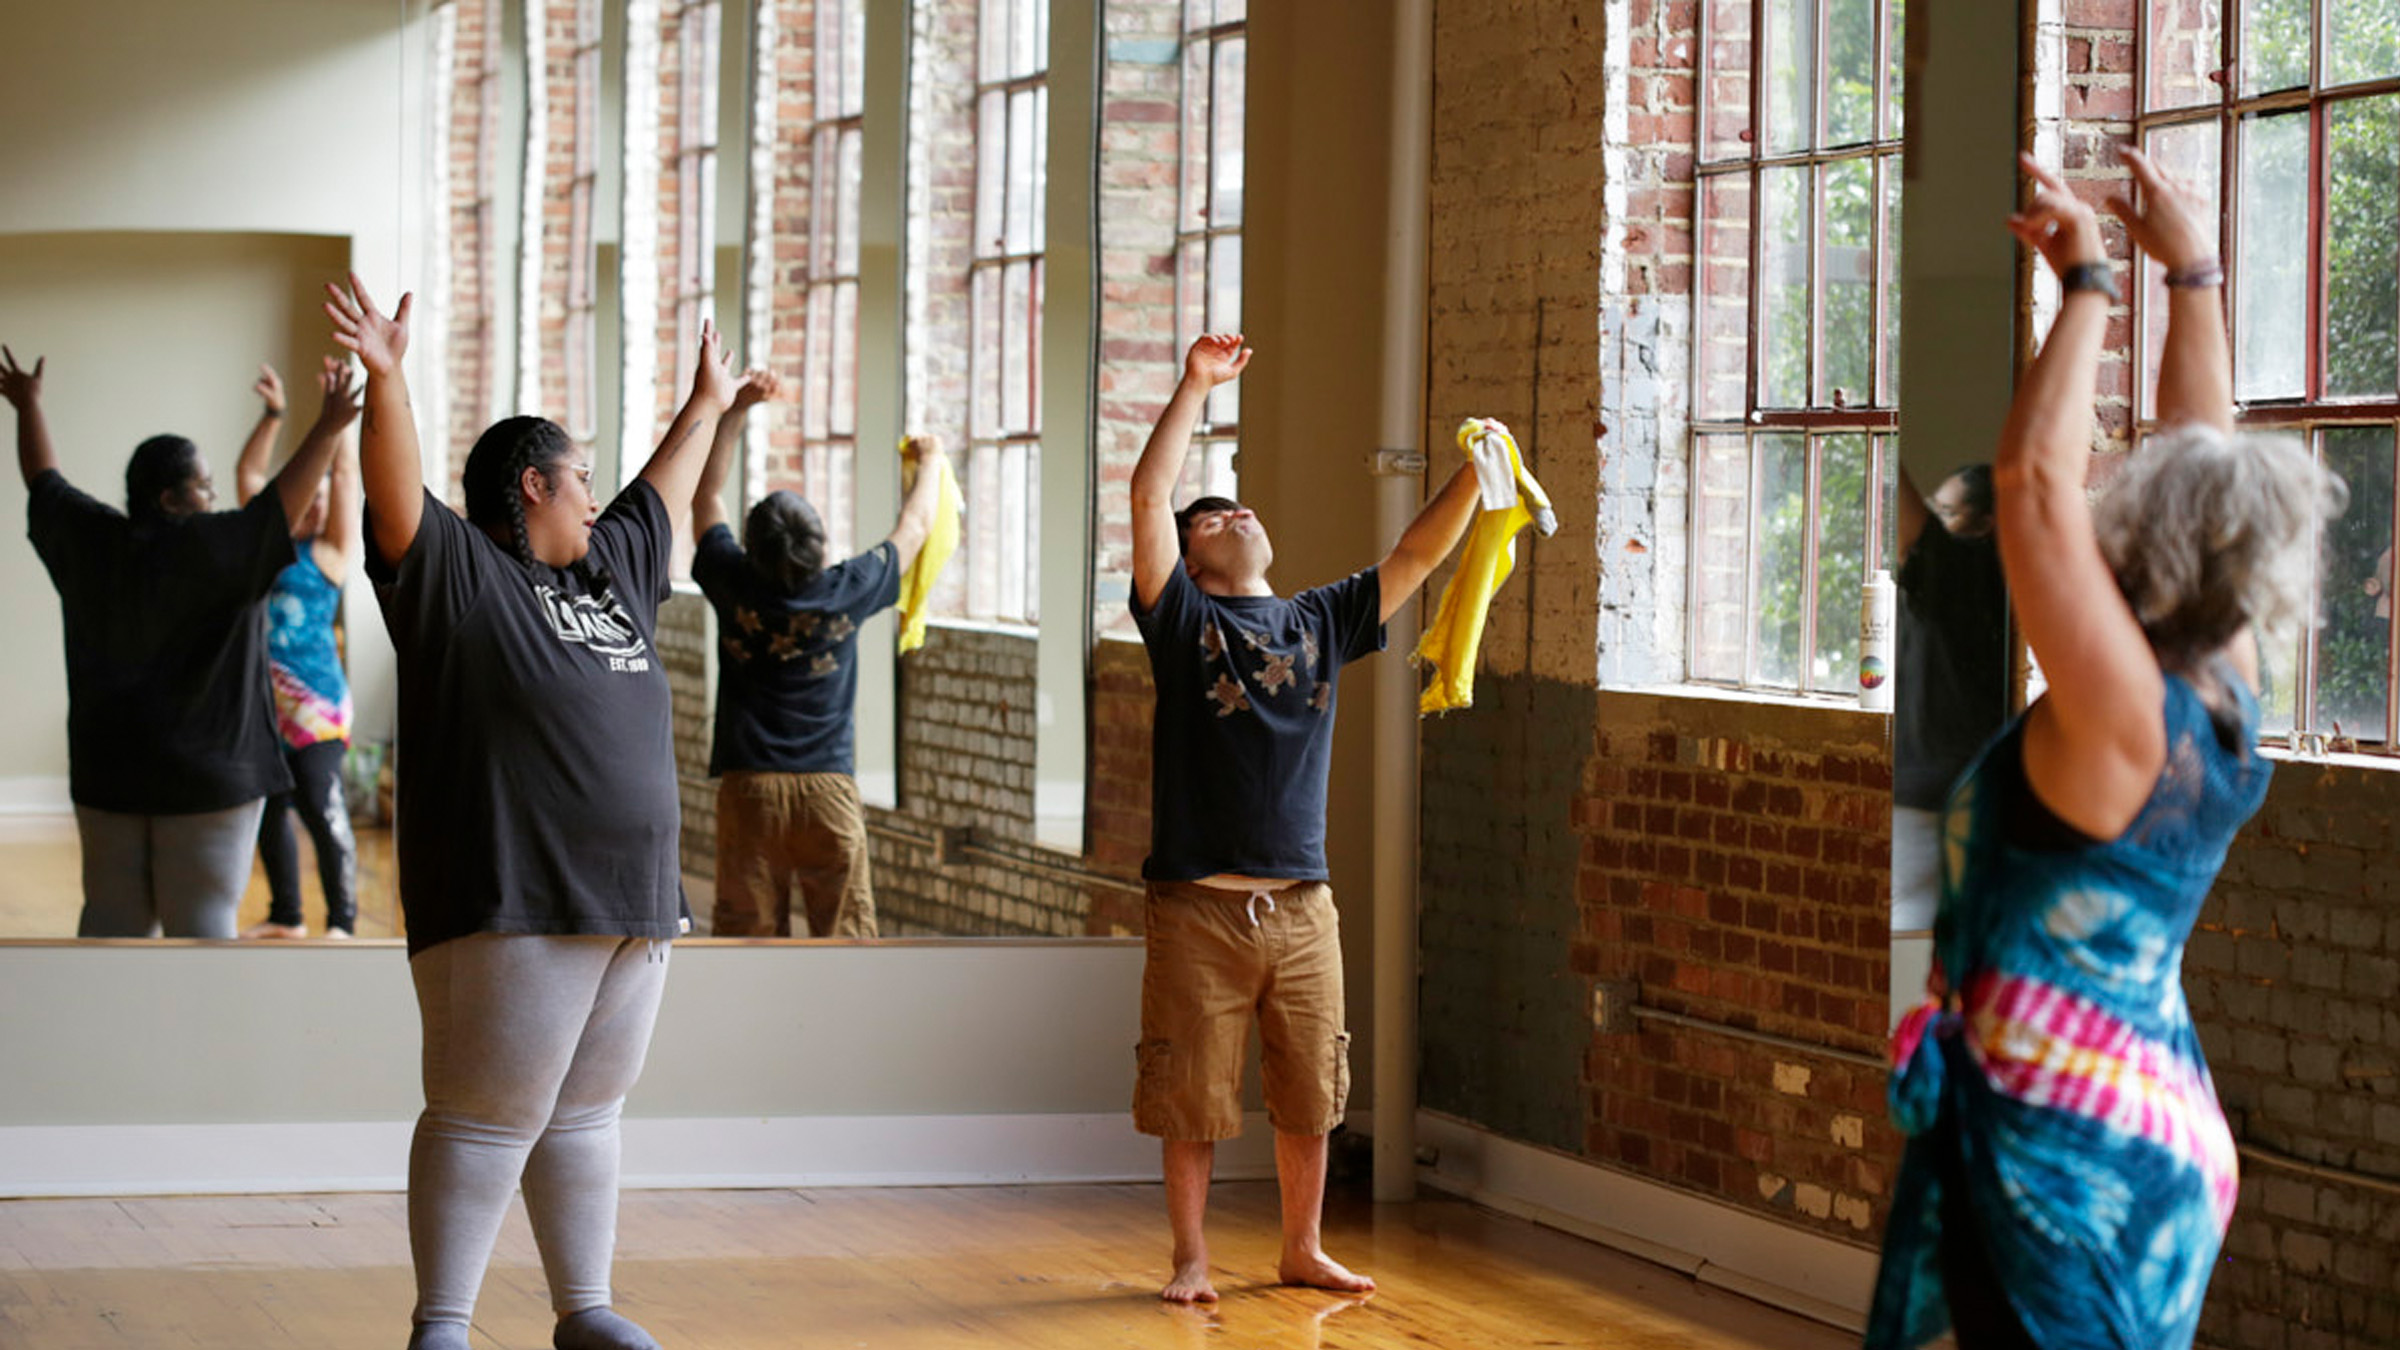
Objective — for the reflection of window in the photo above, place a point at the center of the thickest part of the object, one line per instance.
(1003, 466)
(829, 367)
(1795, 330)
(1208, 229)
(695, 225)
(2289, 123)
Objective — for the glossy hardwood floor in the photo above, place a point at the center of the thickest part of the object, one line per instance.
(1027, 1266)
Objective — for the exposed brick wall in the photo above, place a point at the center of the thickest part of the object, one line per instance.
(2294, 976)
(685, 624)
(2081, 89)
(941, 213)
(1736, 870)
(1117, 795)
(783, 182)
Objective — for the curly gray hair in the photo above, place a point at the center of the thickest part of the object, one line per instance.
(2210, 533)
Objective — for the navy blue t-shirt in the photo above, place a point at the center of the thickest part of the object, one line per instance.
(1243, 737)
(787, 663)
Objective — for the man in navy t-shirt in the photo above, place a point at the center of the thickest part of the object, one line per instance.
(788, 812)
(1240, 918)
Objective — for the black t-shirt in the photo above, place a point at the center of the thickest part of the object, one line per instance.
(536, 757)
(1951, 688)
(168, 707)
(1243, 737)
(787, 665)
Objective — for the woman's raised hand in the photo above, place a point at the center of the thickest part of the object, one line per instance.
(2057, 223)
(339, 384)
(21, 387)
(379, 341)
(2162, 217)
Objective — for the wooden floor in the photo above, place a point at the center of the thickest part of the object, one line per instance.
(1033, 1266)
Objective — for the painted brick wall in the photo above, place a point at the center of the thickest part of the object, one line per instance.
(786, 179)
(1504, 1017)
(2294, 976)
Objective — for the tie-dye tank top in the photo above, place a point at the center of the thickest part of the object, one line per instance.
(312, 696)
(2064, 1061)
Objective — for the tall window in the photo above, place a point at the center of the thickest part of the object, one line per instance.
(1208, 230)
(2286, 113)
(1795, 328)
(829, 371)
(1012, 127)
(697, 44)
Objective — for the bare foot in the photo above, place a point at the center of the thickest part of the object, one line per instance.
(274, 930)
(1190, 1284)
(1316, 1270)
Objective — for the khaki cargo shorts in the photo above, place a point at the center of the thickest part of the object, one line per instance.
(780, 833)
(1213, 959)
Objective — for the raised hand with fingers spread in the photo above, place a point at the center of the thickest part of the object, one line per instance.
(22, 389)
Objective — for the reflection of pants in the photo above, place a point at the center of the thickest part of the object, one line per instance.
(176, 876)
(780, 831)
(1212, 959)
(1916, 869)
(531, 1044)
(316, 796)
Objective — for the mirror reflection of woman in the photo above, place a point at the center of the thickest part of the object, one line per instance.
(312, 695)
(788, 814)
(538, 821)
(2069, 1174)
(171, 743)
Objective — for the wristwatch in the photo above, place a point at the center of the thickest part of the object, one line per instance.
(2089, 276)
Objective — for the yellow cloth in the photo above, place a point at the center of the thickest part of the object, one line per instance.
(1451, 640)
(917, 583)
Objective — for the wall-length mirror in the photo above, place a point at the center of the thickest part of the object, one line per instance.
(996, 222)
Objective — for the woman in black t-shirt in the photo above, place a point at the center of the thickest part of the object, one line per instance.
(537, 822)
(171, 741)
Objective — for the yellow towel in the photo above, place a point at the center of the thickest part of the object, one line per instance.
(1511, 501)
(917, 583)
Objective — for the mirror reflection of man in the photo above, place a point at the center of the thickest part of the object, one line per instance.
(1950, 691)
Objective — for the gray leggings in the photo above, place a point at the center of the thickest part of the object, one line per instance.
(531, 1044)
(182, 876)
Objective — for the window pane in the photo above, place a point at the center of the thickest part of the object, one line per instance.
(2362, 239)
(1783, 310)
(1895, 62)
(2362, 40)
(984, 358)
(2276, 662)
(1041, 168)
(1225, 316)
(1026, 55)
(1226, 102)
(1017, 234)
(1887, 369)
(841, 202)
(1723, 330)
(1849, 71)
(1888, 546)
(1191, 292)
(1791, 75)
(816, 407)
(1194, 213)
(2275, 37)
(2271, 341)
(1841, 559)
(1847, 370)
(1016, 347)
(992, 63)
(845, 359)
(2188, 153)
(1721, 556)
(1781, 568)
(823, 222)
(1031, 611)
(991, 170)
(2354, 580)
(1013, 507)
(1728, 75)
(2185, 48)
(982, 490)
(854, 58)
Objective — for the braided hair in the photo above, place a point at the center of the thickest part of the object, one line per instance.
(159, 466)
(498, 463)
(785, 539)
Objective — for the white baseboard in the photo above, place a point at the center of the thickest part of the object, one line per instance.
(234, 1159)
(1715, 1243)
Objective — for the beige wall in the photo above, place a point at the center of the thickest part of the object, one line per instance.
(143, 333)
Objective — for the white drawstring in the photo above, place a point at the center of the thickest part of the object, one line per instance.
(1252, 907)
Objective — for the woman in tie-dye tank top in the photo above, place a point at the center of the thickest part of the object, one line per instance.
(312, 696)
(2069, 1175)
